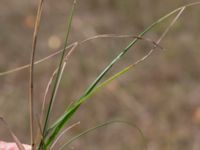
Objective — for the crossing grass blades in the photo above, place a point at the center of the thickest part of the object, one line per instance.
(45, 135)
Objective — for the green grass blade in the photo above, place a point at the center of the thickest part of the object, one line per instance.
(103, 84)
(57, 126)
(124, 51)
(59, 74)
(67, 115)
(103, 125)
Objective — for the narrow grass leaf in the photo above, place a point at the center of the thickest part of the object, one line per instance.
(59, 74)
(51, 79)
(57, 126)
(103, 125)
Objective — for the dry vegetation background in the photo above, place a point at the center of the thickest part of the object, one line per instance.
(161, 96)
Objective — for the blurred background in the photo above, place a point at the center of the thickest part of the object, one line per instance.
(161, 95)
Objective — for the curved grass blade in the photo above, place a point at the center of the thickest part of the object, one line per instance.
(103, 125)
(68, 47)
(56, 127)
(58, 77)
(50, 82)
(59, 74)
(69, 53)
(95, 89)
(80, 42)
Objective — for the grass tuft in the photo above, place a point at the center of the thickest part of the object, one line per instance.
(50, 134)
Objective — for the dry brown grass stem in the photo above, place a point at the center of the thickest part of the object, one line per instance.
(31, 82)
(69, 46)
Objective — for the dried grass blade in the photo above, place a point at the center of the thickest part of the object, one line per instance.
(61, 50)
(32, 60)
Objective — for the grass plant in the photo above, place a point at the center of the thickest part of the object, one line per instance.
(50, 133)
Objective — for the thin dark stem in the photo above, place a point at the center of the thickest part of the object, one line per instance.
(58, 76)
(31, 82)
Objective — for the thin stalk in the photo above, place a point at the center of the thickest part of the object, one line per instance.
(51, 79)
(61, 50)
(31, 82)
(103, 125)
(58, 76)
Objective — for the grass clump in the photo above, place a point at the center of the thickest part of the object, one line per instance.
(48, 133)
